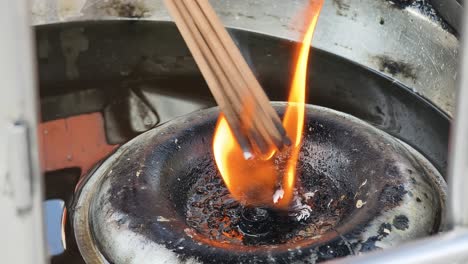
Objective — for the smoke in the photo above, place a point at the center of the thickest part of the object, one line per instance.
(241, 39)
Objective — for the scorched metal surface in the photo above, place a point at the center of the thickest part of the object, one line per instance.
(135, 208)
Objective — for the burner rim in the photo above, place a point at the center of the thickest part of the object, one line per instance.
(87, 186)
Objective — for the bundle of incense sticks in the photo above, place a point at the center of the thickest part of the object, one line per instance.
(246, 107)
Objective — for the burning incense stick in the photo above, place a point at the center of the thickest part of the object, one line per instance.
(271, 181)
(252, 119)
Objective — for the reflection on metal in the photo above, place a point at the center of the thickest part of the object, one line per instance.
(60, 185)
(77, 141)
(53, 212)
(169, 106)
(128, 114)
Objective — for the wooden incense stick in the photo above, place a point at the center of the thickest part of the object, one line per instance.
(247, 74)
(252, 119)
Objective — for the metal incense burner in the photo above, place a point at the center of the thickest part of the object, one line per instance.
(160, 197)
(391, 63)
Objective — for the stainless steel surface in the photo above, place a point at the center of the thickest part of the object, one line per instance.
(451, 247)
(21, 195)
(84, 237)
(448, 248)
(401, 43)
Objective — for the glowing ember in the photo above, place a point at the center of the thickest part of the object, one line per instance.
(256, 181)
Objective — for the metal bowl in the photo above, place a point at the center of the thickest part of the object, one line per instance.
(132, 208)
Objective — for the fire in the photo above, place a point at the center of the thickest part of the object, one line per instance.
(255, 182)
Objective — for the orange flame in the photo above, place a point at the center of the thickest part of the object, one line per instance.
(254, 182)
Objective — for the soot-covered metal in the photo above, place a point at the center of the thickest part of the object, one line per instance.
(318, 206)
(160, 197)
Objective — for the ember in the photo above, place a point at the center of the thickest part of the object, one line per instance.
(214, 213)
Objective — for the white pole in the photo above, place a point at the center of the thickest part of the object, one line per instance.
(21, 219)
(458, 169)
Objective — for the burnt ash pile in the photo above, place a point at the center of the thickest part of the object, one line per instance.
(318, 207)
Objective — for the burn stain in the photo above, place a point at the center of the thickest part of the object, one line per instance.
(334, 250)
(401, 4)
(385, 229)
(382, 21)
(343, 46)
(246, 16)
(392, 171)
(236, 15)
(426, 9)
(343, 8)
(401, 222)
(392, 195)
(273, 16)
(369, 244)
(396, 68)
(129, 9)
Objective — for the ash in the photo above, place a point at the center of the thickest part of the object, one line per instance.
(300, 209)
(278, 195)
(317, 207)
